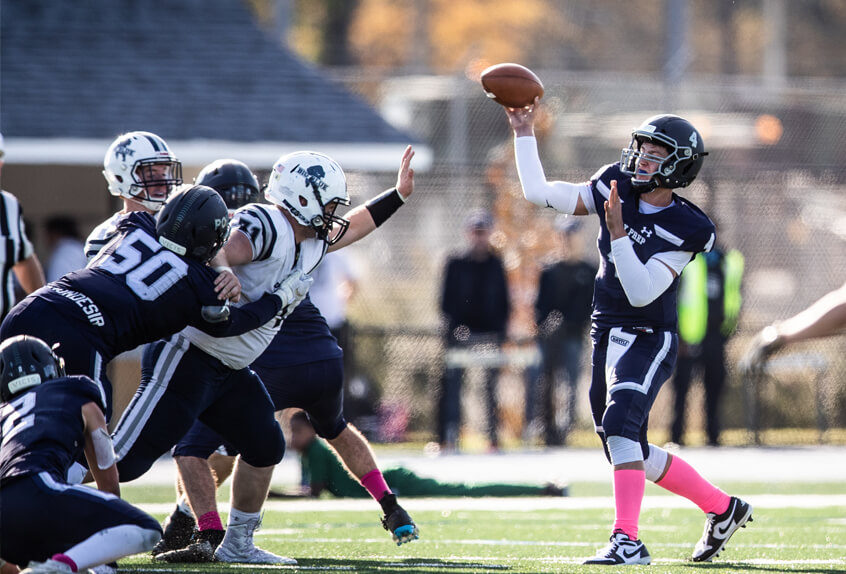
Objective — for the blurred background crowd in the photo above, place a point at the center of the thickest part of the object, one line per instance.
(763, 80)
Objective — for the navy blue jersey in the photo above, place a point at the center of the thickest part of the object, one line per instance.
(680, 227)
(303, 338)
(135, 291)
(42, 430)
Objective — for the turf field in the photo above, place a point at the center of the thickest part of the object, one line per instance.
(796, 528)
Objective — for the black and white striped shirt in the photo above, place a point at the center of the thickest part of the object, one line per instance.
(15, 247)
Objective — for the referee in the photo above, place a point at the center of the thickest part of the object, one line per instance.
(16, 253)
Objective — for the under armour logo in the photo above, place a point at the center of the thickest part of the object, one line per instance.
(646, 232)
(124, 150)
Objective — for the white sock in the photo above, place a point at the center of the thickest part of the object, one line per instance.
(112, 543)
(183, 506)
(237, 517)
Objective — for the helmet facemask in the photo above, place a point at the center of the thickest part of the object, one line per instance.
(330, 227)
(150, 174)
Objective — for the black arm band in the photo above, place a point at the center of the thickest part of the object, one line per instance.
(384, 205)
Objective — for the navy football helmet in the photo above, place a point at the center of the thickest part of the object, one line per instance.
(233, 180)
(26, 362)
(685, 148)
(194, 223)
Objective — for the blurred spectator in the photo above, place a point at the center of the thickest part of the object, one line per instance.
(709, 306)
(476, 306)
(562, 312)
(67, 252)
(18, 254)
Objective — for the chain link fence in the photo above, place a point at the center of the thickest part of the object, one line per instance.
(774, 184)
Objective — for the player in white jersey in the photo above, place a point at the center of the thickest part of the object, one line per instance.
(192, 376)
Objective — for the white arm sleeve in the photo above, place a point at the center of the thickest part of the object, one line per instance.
(559, 195)
(104, 450)
(642, 283)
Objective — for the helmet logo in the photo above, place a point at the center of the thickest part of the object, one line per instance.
(313, 176)
(694, 141)
(122, 149)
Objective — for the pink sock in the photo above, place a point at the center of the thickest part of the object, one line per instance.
(628, 495)
(67, 560)
(375, 483)
(683, 480)
(210, 521)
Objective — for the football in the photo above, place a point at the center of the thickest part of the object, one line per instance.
(511, 85)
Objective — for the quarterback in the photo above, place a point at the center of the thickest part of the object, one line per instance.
(647, 236)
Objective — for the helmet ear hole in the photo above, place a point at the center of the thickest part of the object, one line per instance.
(303, 201)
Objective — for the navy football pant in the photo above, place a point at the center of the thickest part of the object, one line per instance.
(181, 383)
(43, 516)
(628, 369)
(80, 348)
(317, 388)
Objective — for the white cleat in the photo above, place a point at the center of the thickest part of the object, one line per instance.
(621, 550)
(238, 547)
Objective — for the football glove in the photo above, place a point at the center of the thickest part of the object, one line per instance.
(293, 290)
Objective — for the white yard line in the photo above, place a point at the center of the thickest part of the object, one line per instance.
(524, 503)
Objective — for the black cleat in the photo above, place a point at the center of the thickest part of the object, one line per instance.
(178, 528)
(719, 528)
(200, 549)
(400, 525)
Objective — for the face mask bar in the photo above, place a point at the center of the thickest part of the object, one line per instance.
(631, 156)
(156, 173)
(330, 228)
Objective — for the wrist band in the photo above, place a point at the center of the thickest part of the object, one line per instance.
(384, 205)
(222, 268)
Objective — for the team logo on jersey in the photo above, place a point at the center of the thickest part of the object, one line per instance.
(122, 149)
(638, 237)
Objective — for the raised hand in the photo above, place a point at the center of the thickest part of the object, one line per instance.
(614, 213)
(405, 176)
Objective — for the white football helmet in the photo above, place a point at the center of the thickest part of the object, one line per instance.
(310, 185)
(140, 166)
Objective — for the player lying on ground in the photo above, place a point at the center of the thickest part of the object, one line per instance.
(647, 235)
(322, 471)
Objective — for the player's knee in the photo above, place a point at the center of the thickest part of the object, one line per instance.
(623, 450)
(150, 537)
(270, 453)
(132, 467)
(655, 463)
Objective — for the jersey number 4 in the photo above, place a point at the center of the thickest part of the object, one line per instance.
(149, 269)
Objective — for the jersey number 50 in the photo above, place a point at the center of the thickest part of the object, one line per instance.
(149, 268)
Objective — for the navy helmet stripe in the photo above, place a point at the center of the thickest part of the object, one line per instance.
(155, 145)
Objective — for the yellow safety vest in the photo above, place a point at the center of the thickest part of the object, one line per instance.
(693, 297)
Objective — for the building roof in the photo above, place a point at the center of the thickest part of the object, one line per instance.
(199, 72)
